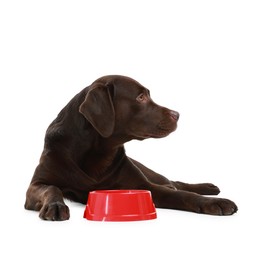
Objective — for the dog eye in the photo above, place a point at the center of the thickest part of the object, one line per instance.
(142, 98)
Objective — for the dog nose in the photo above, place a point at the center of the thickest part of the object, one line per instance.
(175, 115)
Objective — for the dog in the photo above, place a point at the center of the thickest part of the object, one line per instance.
(84, 151)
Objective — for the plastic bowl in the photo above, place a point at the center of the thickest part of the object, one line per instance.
(120, 205)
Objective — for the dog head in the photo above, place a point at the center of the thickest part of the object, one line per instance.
(120, 106)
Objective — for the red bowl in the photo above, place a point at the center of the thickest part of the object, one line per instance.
(120, 205)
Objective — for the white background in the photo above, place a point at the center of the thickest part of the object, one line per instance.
(201, 58)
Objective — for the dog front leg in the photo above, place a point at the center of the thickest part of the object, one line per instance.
(132, 176)
(48, 200)
(189, 201)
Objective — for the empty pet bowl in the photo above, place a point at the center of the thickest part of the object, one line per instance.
(120, 205)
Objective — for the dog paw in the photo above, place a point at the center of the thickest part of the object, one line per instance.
(208, 189)
(217, 206)
(54, 211)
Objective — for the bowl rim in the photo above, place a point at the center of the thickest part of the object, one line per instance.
(119, 191)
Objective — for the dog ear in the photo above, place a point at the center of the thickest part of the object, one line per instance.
(98, 109)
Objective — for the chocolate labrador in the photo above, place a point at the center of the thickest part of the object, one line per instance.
(84, 151)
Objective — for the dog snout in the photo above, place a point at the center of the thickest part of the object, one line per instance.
(175, 115)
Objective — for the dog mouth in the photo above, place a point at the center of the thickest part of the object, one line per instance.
(164, 128)
(160, 131)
